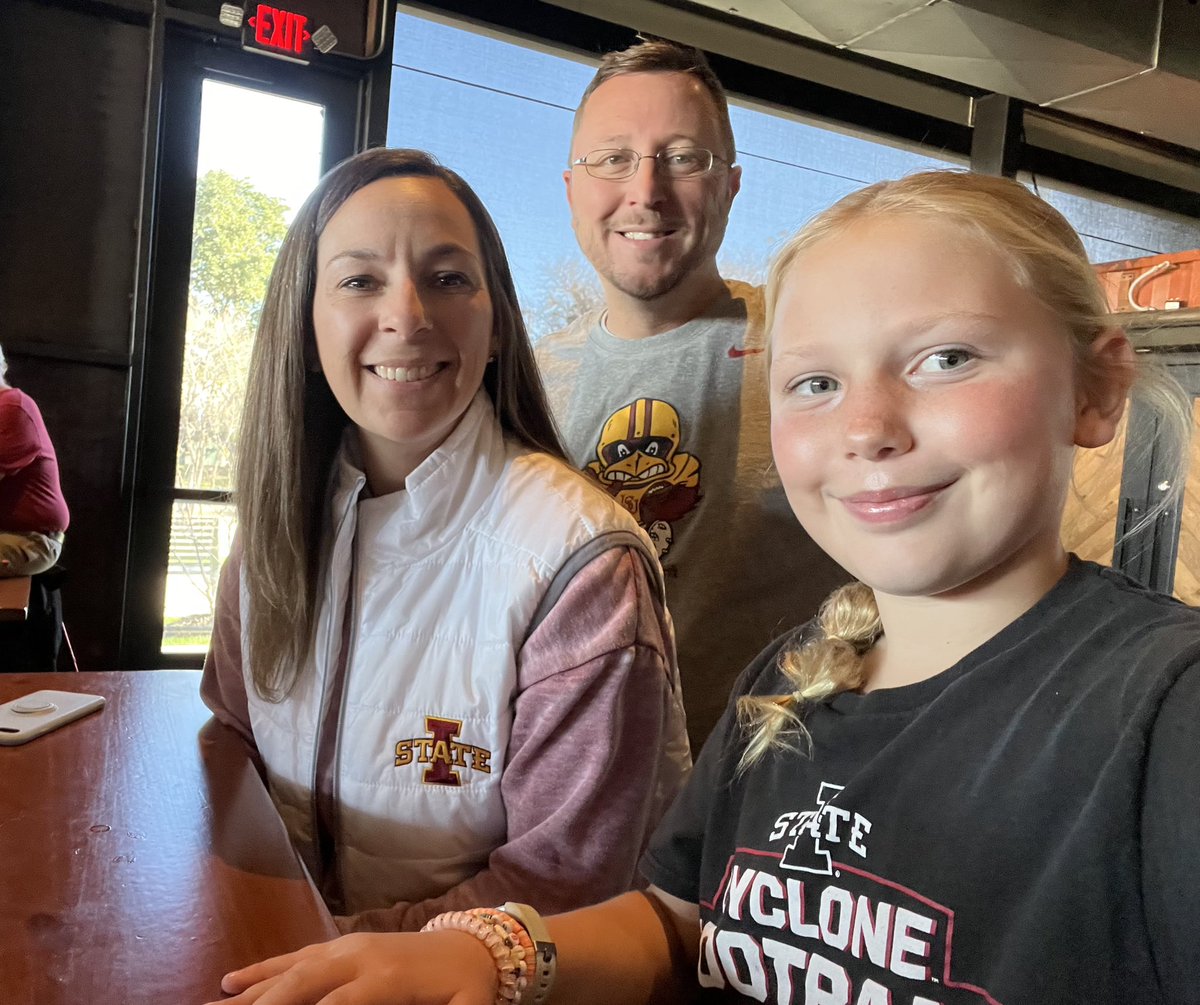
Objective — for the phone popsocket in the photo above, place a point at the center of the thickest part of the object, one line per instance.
(31, 715)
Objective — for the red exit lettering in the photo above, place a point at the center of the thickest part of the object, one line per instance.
(280, 29)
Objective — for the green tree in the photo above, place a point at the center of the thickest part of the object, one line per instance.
(237, 234)
(235, 240)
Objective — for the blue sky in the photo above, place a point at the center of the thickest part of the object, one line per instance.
(500, 115)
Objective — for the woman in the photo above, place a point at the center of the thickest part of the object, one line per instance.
(973, 778)
(447, 648)
(33, 513)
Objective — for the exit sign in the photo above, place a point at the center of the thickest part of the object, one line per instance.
(307, 29)
(282, 30)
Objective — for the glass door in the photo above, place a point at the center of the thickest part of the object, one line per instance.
(1184, 558)
(1094, 500)
(1114, 486)
(245, 138)
(259, 157)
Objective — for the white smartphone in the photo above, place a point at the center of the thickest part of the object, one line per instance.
(34, 714)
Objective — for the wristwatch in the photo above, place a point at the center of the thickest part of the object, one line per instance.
(542, 979)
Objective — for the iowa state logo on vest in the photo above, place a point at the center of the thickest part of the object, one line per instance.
(443, 753)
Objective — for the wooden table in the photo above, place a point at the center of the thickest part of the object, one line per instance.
(140, 861)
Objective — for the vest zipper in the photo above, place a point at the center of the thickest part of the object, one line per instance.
(324, 772)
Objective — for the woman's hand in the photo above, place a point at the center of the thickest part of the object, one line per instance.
(433, 968)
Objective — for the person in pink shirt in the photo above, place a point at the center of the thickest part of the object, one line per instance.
(33, 513)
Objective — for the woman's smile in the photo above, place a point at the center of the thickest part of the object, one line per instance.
(408, 374)
(403, 319)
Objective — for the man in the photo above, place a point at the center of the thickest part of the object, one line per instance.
(662, 395)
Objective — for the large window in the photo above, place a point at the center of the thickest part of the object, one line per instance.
(259, 156)
(1113, 229)
(791, 170)
(500, 114)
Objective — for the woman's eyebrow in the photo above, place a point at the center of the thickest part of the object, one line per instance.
(450, 248)
(445, 250)
(355, 254)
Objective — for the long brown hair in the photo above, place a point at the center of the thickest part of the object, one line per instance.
(1048, 259)
(292, 424)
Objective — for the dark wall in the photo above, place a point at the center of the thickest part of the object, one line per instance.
(83, 188)
(71, 165)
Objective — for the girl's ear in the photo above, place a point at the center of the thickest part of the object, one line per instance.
(1107, 376)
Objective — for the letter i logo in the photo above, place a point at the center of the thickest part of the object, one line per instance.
(806, 853)
(443, 732)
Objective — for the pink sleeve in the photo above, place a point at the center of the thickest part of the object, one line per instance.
(583, 787)
(222, 686)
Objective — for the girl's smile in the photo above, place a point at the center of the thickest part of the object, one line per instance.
(895, 505)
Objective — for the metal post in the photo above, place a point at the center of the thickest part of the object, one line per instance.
(997, 136)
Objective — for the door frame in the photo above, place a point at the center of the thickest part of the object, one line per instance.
(190, 57)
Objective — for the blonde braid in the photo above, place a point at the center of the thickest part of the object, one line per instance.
(822, 666)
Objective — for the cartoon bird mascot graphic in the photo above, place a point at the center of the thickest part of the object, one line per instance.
(639, 462)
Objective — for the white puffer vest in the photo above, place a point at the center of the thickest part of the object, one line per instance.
(446, 580)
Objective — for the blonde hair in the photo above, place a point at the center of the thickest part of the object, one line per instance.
(292, 423)
(1048, 260)
(657, 55)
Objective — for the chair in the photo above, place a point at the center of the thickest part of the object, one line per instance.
(31, 644)
(14, 598)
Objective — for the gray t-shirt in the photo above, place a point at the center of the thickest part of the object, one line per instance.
(676, 428)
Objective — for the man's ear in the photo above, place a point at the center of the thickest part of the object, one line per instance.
(1106, 377)
(735, 181)
(567, 175)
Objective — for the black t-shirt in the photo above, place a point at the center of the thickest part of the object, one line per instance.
(1022, 828)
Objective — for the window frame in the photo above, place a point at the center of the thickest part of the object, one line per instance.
(191, 56)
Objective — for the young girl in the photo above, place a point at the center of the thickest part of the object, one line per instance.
(974, 777)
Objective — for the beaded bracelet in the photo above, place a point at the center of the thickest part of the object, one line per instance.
(505, 938)
(544, 964)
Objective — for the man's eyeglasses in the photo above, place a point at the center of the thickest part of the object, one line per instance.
(677, 162)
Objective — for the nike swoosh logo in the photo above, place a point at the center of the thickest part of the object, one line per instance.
(736, 353)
